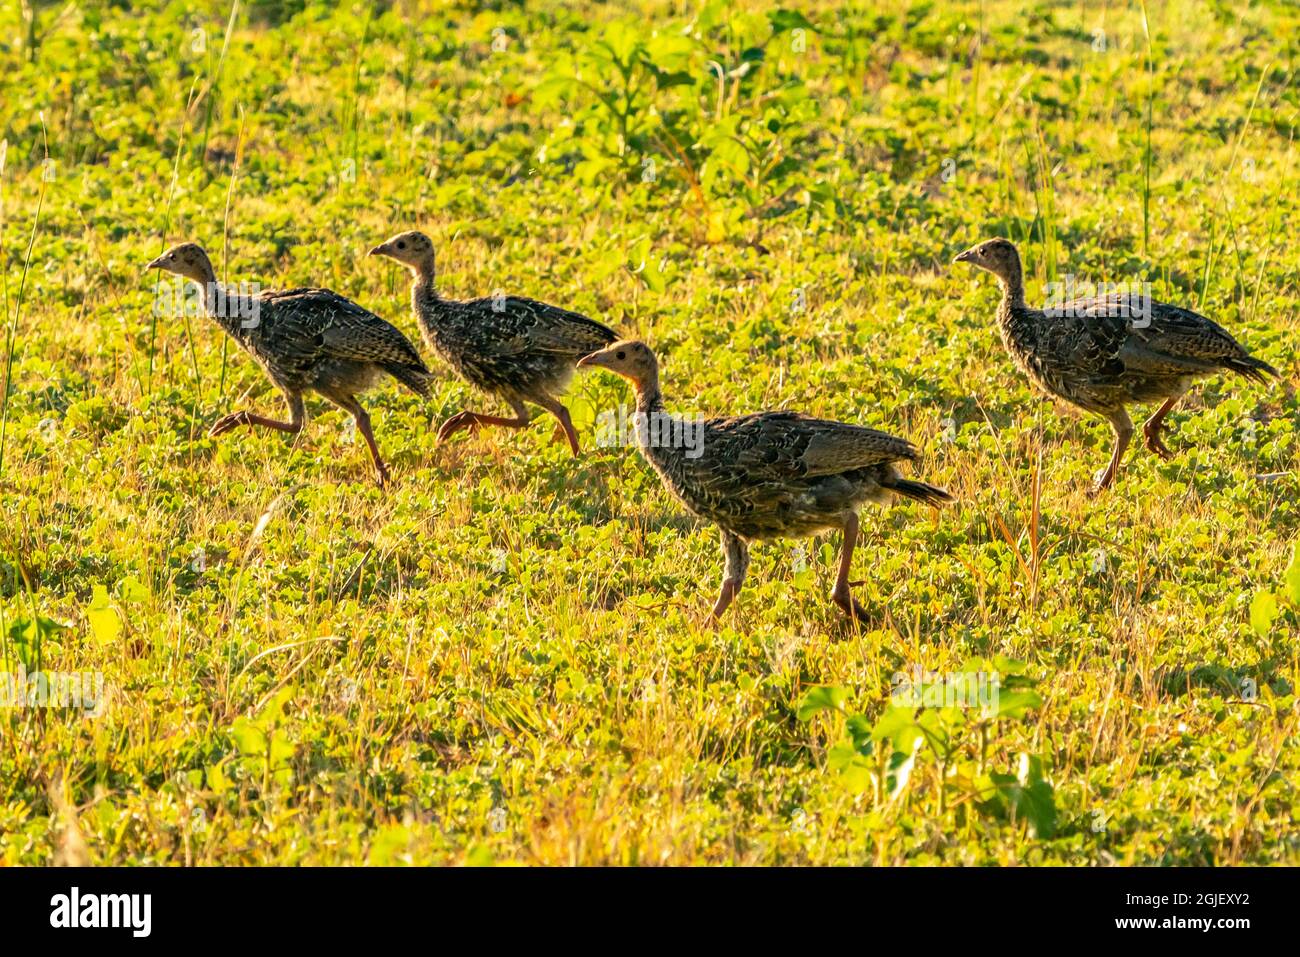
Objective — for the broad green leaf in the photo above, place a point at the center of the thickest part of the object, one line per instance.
(1292, 575)
(27, 638)
(622, 41)
(1263, 609)
(105, 624)
(1015, 704)
(552, 89)
(1036, 801)
(1008, 666)
(858, 729)
(218, 783)
(855, 770)
(670, 52)
(248, 737)
(388, 846)
(134, 591)
(783, 20)
(901, 764)
(1038, 806)
(894, 722)
(274, 708)
(822, 698)
(282, 750)
(479, 855)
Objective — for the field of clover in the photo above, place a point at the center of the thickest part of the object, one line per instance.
(500, 658)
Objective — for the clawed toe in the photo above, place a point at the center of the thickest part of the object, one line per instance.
(461, 420)
(1159, 448)
(851, 607)
(225, 424)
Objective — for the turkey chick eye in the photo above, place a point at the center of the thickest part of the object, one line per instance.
(401, 245)
(622, 355)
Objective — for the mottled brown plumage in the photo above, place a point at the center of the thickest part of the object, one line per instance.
(767, 475)
(305, 340)
(512, 347)
(1106, 352)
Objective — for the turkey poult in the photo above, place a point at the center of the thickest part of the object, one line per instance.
(305, 339)
(512, 347)
(1103, 353)
(767, 475)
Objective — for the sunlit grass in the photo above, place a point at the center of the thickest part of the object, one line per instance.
(500, 658)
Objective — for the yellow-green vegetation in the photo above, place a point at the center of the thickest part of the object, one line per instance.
(501, 658)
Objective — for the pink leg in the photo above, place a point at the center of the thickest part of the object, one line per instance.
(474, 420)
(841, 594)
(733, 576)
(1151, 430)
(1123, 427)
(349, 404)
(243, 417)
(566, 423)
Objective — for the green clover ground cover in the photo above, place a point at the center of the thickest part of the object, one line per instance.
(501, 658)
